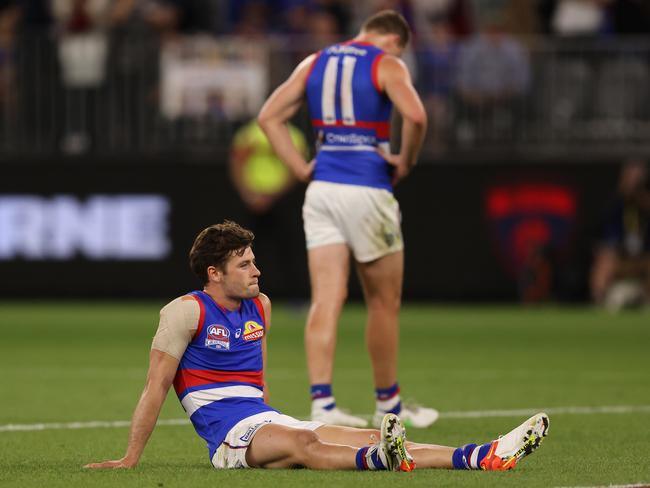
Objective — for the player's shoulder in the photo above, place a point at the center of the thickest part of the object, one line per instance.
(187, 303)
(390, 62)
(265, 301)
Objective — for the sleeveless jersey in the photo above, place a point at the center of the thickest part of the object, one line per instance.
(220, 376)
(350, 115)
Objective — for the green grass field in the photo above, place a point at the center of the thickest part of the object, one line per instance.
(83, 362)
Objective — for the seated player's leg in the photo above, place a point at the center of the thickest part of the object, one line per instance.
(278, 446)
(505, 452)
(425, 455)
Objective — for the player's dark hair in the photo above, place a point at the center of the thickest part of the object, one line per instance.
(216, 244)
(389, 22)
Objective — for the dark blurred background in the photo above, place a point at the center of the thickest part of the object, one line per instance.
(126, 126)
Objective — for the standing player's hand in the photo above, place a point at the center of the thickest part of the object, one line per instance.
(397, 161)
(116, 464)
(304, 175)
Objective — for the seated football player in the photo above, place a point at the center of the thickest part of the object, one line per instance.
(211, 346)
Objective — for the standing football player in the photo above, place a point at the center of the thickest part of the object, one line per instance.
(349, 206)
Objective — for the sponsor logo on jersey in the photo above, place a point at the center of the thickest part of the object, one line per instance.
(218, 337)
(253, 331)
(237, 333)
(353, 138)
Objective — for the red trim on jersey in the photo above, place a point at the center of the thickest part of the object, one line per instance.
(199, 326)
(382, 128)
(374, 70)
(260, 309)
(188, 378)
(313, 65)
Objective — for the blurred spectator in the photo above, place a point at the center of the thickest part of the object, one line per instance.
(493, 79)
(457, 12)
(258, 175)
(140, 28)
(363, 10)
(323, 29)
(339, 10)
(620, 274)
(253, 21)
(263, 182)
(437, 62)
(9, 18)
(573, 18)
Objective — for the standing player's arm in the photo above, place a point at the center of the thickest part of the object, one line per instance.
(283, 104)
(395, 80)
(162, 369)
(266, 303)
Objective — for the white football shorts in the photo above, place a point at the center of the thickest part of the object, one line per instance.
(231, 453)
(366, 219)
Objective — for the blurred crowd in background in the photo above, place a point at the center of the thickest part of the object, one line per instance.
(502, 80)
(142, 74)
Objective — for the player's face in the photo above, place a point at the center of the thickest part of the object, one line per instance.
(240, 279)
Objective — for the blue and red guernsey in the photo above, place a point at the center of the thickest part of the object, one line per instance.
(220, 378)
(350, 114)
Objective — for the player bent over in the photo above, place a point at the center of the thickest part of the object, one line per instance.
(211, 345)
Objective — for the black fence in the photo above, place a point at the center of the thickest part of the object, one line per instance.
(124, 230)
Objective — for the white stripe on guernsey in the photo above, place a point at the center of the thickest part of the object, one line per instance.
(347, 102)
(347, 148)
(619, 409)
(473, 459)
(328, 95)
(199, 398)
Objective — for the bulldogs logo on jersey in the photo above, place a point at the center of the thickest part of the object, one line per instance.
(218, 337)
(253, 331)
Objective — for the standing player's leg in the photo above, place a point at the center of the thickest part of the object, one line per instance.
(329, 269)
(381, 280)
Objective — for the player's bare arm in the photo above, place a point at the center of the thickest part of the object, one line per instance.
(395, 80)
(283, 104)
(162, 369)
(266, 304)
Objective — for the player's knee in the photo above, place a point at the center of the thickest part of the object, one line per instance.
(385, 303)
(307, 443)
(330, 299)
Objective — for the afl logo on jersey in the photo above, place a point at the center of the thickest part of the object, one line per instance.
(218, 337)
(253, 331)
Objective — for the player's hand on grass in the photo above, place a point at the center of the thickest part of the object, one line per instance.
(116, 464)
